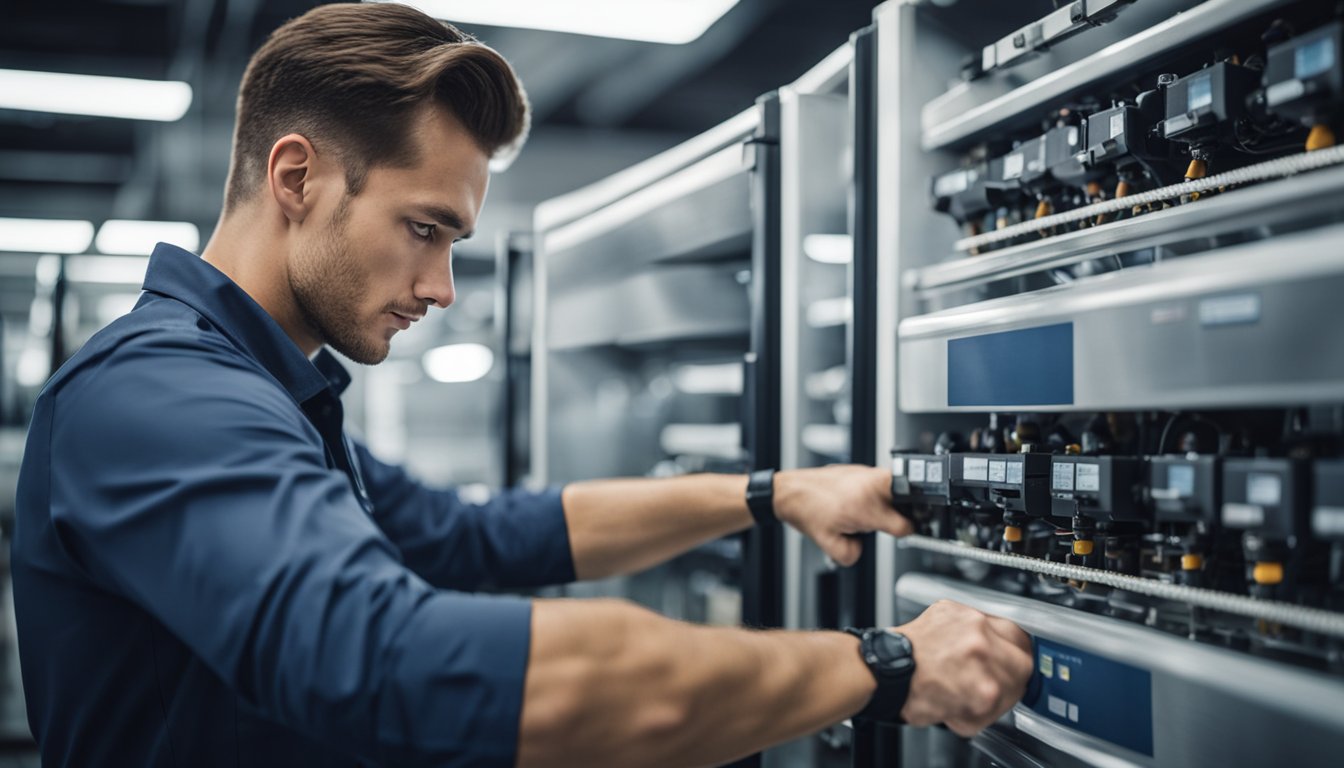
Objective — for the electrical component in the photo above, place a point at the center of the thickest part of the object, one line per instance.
(1038, 36)
(1202, 109)
(1266, 499)
(1185, 489)
(1304, 82)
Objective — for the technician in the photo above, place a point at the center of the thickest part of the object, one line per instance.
(209, 571)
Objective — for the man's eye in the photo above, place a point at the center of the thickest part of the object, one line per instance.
(423, 231)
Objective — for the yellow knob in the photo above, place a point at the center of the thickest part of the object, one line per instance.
(1073, 449)
(1320, 137)
(1122, 189)
(1268, 573)
(1043, 209)
(1012, 533)
(1082, 547)
(1198, 169)
(1191, 562)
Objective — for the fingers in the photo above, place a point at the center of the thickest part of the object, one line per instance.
(970, 668)
(844, 550)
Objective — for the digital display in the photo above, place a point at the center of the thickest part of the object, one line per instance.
(1097, 696)
(1314, 58)
(1199, 93)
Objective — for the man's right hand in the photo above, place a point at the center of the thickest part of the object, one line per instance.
(969, 668)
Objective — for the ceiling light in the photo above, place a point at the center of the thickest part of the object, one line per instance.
(45, 235)
(829, 249)
(653, 21)
(137, 238)
(457, 363)
(107, 270)
(96, 95)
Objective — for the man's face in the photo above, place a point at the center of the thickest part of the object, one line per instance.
(380, 259)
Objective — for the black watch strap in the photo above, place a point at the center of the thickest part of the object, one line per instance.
(893, 674)
(761, 496)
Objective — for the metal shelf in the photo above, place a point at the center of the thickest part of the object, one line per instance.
(961, 115)
(1276, 202)
(1242, 326)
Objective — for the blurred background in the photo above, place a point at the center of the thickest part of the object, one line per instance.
(93, 172)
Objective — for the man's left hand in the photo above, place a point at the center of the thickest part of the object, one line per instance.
(834, 505)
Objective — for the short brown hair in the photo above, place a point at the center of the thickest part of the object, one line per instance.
(351, 77)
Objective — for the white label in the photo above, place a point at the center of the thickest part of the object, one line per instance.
(1230, 310)
(975, 469)
(953, 183)
(1243, 515)
(916, 470)
(1061, 476)
(1073, 137)
(1073, 712)
(1089, 477)
(898, 466)
(1015, 472)
(933, 472)
(998, 471)
(1013, 165)
(1265, 490)
(1287, 90)
(1117, 124)
(1057, 706)
(1328, 521)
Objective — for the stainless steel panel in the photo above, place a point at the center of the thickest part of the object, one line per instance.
(1242, 326)
(970, 109)
(1211, 706)
(814, 179)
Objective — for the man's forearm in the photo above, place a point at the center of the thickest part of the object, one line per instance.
(622, 526)
(612, 684)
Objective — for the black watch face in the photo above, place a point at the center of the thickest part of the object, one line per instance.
(893, 651)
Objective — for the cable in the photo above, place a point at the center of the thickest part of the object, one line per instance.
(1310, 619)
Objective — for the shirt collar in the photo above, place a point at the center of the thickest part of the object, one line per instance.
(181, 275)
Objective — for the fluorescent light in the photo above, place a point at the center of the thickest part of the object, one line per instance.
(829, 249)
(165, 100)
(33, 367)
(137, 238)
(456, 363)
(653, 21)
(45, 235)
(108, 270)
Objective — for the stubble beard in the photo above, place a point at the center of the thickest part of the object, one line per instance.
(326, 282)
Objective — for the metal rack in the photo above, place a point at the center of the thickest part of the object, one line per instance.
(1217, 301)
(655, 345)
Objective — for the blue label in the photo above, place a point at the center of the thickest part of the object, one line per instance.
(1033, 366)
(1314, 58)
(1094, 695)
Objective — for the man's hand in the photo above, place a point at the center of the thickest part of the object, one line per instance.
(969, 668)
(833, 505)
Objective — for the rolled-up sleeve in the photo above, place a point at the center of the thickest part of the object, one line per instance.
(516, 539)
(192, 486)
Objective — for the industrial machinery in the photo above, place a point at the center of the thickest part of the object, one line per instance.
(1108, 380)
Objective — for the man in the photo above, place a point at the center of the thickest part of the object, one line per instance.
(207, 571)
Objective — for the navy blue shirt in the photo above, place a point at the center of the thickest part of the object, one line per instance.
(207, 571)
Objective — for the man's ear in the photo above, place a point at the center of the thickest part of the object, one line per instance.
(289, 175)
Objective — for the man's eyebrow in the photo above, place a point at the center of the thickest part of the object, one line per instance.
(448, 218)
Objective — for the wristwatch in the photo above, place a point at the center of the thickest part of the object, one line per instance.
(891, 658)
(761, 497)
